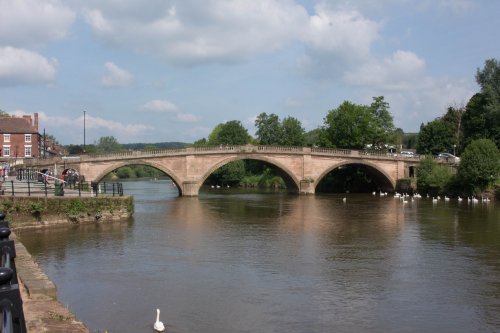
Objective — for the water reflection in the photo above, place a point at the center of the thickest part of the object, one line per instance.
(271, 262)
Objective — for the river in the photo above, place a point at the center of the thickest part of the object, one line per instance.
(242, 261)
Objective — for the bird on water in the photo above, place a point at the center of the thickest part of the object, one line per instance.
(158, 325)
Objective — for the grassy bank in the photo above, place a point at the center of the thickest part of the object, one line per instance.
(32, 211)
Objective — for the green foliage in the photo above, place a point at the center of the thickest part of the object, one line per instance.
(37, 208)
(108, 144)
(353, 126)
(229, 133)
(435, 137)
(432, 178)
(230, 173)
(269, 129)
(272, 131)
(480, 165)
(293, 134)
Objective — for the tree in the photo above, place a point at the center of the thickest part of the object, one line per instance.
(354, 126)
(482, 115)
(382, 126)
(108, 144)
(480, 164)
(229, 133)
(347, 126)
(269, 129)
(453, 118)
(432, 178)
(435, 137)
(293, 134)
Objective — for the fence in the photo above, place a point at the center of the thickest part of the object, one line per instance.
(59, 188)
(11, 304)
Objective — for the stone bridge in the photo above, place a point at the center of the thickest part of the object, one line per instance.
(302, 168)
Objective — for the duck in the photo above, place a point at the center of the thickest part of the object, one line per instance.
(158, 325)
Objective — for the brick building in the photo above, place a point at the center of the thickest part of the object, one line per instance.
(19, 137)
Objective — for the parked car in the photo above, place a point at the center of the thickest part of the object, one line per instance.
(449, 157)
(409, 154)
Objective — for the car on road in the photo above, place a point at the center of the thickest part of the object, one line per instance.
(449, 157)
(409, 154)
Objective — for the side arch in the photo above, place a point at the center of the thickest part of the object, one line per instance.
(385, 176)
(291, 181)
(152, 164)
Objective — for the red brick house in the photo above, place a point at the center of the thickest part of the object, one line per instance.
(19, 137)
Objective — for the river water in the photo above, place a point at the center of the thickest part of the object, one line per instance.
(241, 261)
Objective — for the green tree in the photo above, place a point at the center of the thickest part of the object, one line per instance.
(453, 118)
(482, 115)
(435, 137)
(230, 133)
(382, 124)
(108, 144)
(354, 126)
(432, 178)
(293, 134)
(348, 126)
(269, 129)
(479, 166)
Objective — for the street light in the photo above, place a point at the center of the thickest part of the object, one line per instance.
(454, 146)
(84, 131)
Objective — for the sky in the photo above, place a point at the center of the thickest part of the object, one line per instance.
(171, 70)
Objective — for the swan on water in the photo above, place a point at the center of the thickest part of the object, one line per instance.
(158, 326)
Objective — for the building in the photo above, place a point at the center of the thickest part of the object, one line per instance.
(19, 137)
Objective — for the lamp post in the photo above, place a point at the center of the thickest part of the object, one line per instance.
(84, 130)
(454, 146)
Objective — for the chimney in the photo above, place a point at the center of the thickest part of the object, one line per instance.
(36, 121)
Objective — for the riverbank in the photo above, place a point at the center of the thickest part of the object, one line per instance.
(24, 211)
(42, 311)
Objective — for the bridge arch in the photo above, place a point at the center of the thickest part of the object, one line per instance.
(152, 164)
(290, 180)
(388, 183)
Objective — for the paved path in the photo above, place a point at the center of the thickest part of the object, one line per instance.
(42, 312)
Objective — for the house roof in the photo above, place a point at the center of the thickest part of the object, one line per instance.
(16, 125)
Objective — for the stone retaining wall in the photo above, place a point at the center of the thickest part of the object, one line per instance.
(42, 311)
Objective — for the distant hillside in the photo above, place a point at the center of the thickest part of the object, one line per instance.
(158, 145)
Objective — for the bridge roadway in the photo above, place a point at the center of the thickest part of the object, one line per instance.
(302, 168)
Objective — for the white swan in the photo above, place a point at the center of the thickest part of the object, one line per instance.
(158, 326)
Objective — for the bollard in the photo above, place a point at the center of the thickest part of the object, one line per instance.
(11, 304)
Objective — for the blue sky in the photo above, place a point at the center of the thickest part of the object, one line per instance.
(172, 70)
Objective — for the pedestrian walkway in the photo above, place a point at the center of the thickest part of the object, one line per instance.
(42, 311)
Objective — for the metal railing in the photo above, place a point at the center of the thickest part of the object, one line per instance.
(11, 304)
(59, 188)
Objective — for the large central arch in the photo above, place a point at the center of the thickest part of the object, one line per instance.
(292, 183)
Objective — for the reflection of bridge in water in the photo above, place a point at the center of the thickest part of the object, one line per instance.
(302, 168)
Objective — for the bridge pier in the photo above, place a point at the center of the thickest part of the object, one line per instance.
(307, 186)
(190, 189)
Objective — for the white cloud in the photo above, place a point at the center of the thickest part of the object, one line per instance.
(190, 32)
(20, 66)
(164, 106)
(27, 23)
(114, 127)
(158, 105)
(402, 71)
(115, 76)
(341, 31)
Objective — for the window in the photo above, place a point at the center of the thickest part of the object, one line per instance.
(6, 151)
(27, 138)
(6, 138)
(27, 151)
